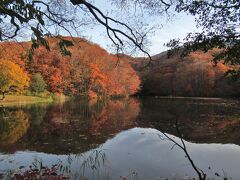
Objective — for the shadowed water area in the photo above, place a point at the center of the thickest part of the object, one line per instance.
(117, 139)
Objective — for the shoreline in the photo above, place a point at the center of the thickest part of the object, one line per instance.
(189, 97)
(12, 100)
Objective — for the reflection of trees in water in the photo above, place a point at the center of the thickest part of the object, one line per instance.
(192, 120)
(76, 126)
(37, 113)
(92, 118)
(13, 125)
(116, 116)
(200, 120)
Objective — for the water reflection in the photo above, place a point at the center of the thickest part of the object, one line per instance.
(72, 127)
(13, 125)
(139, 153)
(200, 120)
(99, 140)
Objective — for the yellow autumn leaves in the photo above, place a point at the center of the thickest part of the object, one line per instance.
(14, 124)
(12, 77)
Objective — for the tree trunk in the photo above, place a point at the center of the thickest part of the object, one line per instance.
(3, 95)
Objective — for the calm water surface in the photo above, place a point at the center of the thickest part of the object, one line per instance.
(132, 138)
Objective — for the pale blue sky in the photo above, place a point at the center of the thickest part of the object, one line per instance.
(178, 27)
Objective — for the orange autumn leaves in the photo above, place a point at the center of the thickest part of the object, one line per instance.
(194, 75)
(90, 70)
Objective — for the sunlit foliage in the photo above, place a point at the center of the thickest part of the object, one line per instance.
(89, 71)
(12, 77)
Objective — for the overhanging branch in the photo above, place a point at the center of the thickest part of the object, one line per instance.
(112, 32)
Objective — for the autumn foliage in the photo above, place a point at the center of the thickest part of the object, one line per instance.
(194, 75)
(12, 77)
(89, 71)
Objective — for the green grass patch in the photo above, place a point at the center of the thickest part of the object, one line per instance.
(20, 99)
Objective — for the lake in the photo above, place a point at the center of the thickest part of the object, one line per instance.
(145, 138)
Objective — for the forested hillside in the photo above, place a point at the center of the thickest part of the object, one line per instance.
(89, 71)
(194, 75)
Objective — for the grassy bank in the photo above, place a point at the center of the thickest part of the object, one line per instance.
(16, 100)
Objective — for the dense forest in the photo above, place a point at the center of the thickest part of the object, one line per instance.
(195, 75)
(87, 71)
(91, 71)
